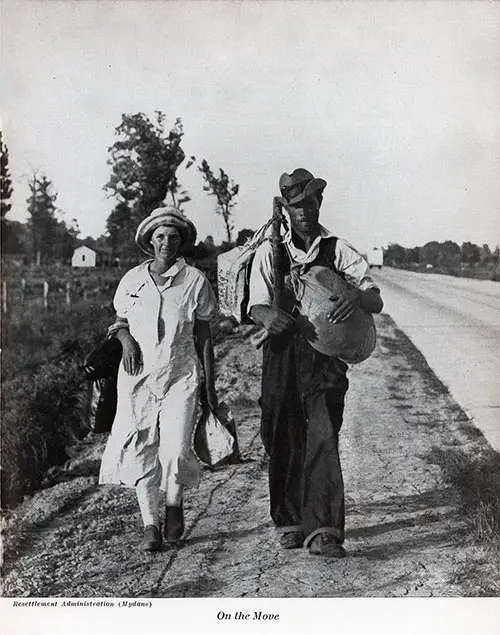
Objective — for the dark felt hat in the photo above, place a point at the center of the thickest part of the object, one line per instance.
(300, 184)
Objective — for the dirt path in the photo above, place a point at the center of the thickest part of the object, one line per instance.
(405, 534)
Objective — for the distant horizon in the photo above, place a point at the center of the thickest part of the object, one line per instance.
(82, 238)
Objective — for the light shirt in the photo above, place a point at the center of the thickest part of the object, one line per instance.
(347, 261)
(162, 321)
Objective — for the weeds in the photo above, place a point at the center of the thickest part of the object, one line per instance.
(476, 478)
(43, 397)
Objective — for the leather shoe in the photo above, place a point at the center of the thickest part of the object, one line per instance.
(174, 523)
(151, 540)
(292, 540)
(324, 544)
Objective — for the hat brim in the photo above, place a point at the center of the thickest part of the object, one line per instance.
(168, 218)
(314, 186)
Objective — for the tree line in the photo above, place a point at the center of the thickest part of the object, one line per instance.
(144, 163)
(467, 259)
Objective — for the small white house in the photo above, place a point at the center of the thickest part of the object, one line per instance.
(84, 256)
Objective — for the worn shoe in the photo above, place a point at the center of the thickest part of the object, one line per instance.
(324, 544)
(174, 523)
(151, 540)
(292, 540)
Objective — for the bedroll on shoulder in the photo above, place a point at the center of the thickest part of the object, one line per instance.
(233, 274)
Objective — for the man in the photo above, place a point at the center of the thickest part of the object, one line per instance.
(302, 399)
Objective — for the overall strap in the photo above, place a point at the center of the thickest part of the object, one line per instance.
(327, 252)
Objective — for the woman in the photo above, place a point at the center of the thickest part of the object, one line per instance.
(163, 307)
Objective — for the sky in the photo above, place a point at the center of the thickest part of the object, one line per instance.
(394, 104)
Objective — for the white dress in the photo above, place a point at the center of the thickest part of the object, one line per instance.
(157, 409)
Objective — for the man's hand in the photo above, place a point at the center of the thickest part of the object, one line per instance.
(275, 321)
(131, 352)
(344, 305)
(279, 202)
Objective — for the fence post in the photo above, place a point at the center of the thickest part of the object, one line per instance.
(23, 289)
(45, 294)
(68, 292)
(4, 296)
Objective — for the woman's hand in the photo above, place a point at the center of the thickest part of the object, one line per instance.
(344, 305)
(131, 352)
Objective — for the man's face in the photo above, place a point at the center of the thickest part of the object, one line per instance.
(304, 216)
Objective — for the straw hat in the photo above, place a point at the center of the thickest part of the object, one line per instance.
(169, 217)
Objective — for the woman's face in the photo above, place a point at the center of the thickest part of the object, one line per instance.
(166, 242)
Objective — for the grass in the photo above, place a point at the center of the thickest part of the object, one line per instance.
(468, 464)
(475, 476)
(474, 471)
(43, 401)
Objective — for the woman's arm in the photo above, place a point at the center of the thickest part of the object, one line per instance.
(131, 351)
(205, 350)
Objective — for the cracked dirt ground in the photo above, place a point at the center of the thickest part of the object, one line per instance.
(404, 532)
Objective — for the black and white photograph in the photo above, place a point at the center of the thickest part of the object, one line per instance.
(250, 308)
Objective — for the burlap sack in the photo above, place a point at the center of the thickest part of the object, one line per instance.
(353, 340)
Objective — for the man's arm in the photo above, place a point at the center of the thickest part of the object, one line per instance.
(347, 301)
(371, 300)
(261, 294)
(361, 292)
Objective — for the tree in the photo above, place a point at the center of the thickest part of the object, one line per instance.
(495, 256)
(210, 245)
(66, 239)
(430, 253)
(119, 226)
(9, 230)
(485, 256)
(395, 255)
(243, 236)
(5, 180)
(225, 192)
(450, 255)
(143, 162)
(415, 255)
(470, 253)
(42, 222)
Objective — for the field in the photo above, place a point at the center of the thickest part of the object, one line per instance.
(43, 395)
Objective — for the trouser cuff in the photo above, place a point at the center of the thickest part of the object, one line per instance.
(288, 529)
(324, 530)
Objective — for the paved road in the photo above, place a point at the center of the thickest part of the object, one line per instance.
(455, 322)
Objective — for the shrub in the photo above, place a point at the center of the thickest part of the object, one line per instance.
(43, 396)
